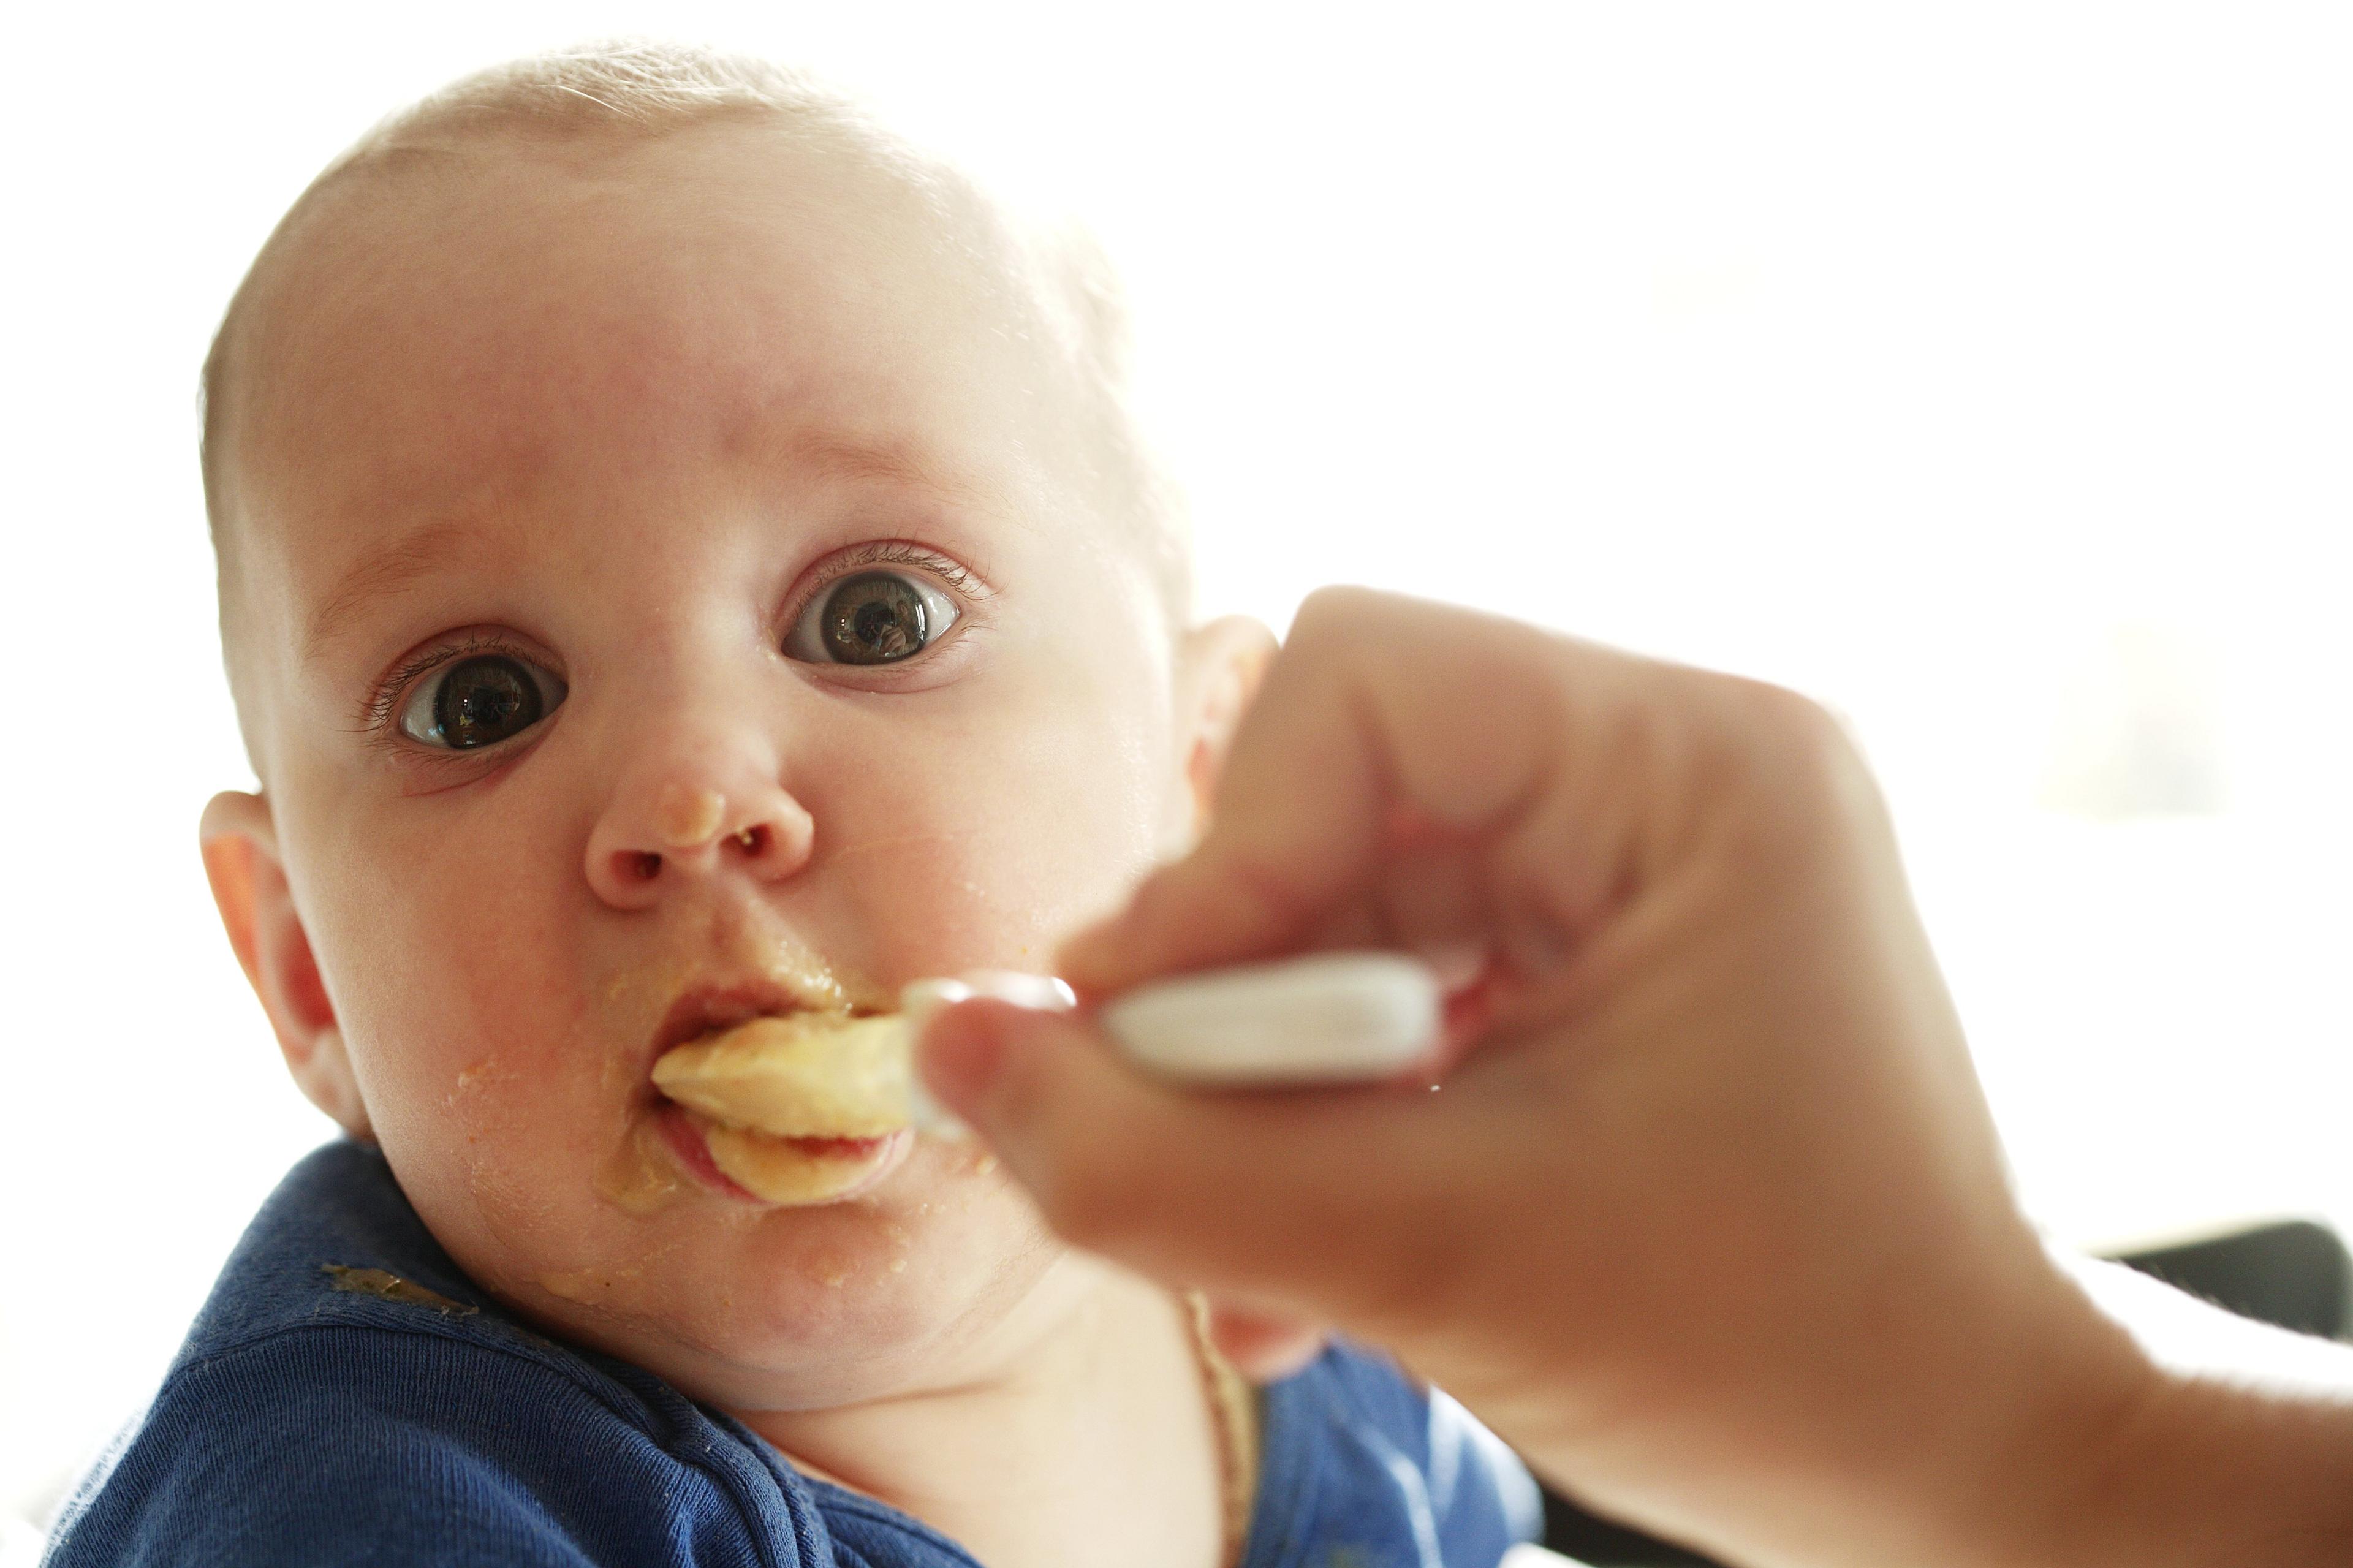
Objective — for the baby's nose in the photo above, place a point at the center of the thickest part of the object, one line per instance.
(667, 830)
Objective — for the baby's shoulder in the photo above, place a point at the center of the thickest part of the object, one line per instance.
(1361, 1463)
(348, 1396)
(328, 1443)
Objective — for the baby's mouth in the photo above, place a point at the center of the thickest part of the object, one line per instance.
(778, 1104)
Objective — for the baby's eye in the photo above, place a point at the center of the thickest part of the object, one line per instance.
(871, 617)
(478, 702)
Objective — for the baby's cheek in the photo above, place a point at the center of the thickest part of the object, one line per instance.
(465, 1023)
(996, 868)
(472, 1066)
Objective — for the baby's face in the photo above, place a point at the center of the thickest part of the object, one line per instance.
(550, 472)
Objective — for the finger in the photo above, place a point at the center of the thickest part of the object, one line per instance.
(1286, 847)
(1381, 710)
(1264, 1195)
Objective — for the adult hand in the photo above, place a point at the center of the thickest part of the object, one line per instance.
(1711, 1223)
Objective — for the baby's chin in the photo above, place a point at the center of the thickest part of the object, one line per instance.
(912, 1279)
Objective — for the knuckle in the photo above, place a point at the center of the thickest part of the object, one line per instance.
(1788, 736)
(1802, 725)
(1343, 614)
(1789, 767)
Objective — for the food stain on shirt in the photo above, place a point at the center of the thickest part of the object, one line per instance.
(391, 1286)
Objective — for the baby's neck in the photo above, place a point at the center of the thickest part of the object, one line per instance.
(1098, 1447)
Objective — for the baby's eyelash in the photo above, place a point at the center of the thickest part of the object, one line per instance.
(376, 708)
(901, 553)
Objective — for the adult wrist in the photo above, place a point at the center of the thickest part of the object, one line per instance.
(2170, 1432)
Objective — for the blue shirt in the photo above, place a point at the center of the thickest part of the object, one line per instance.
(320, 1414)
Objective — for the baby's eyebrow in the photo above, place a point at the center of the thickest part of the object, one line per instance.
(377, 574)
(842, 457)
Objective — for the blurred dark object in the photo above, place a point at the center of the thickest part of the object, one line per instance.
(2294, 1274)
(1573, 1532)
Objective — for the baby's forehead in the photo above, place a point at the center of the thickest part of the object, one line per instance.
(521, 308)
(721, 251)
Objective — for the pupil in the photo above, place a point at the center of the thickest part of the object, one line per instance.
(874, 618)
(484, 700)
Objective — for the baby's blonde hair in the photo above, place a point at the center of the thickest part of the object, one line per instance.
(637, 89)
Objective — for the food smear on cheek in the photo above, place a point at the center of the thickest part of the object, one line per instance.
(645, 989)
(472, 1098)
(484, 1102)
(506, 1110)
(582, 1287)
(639, 1177)
(615, 1291)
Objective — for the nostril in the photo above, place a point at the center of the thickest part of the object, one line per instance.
(636, 866)
(754, 840)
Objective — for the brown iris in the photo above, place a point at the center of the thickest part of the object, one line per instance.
(874, 618)
(483, 700)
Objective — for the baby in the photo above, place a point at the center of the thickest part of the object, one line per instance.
(683, 558)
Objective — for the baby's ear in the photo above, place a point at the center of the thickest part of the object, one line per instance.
(257, 906)
(1218, 671)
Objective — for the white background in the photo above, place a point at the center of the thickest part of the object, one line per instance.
(1984, 371)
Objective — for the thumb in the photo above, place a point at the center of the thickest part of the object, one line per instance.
(1267, 1193)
